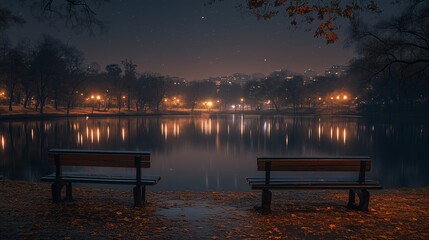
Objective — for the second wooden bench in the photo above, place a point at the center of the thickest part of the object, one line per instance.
(357, 186)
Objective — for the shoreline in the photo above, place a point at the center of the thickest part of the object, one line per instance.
(50, 113)
(27, 212)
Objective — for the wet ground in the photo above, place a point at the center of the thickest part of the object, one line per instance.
(26, 212)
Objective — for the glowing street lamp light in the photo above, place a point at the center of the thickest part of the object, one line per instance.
(345, 97)
(92, 108)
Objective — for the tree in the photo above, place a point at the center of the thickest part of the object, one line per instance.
(76, 14)
(27, 81)
(326, 13)
(114, 79)
(254, 93)
(7, 18)
(275, 91)
(402, 41)
(395, 55)
(294, 90)
(14, 70)
(47, 68)
(229, 93)
(157, 87)
(129, 78)
(74, 74)
(200, 91)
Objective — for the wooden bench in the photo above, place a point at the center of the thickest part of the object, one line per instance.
(357, 186)
(98, 158)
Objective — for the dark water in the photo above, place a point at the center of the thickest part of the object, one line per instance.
(218, 152)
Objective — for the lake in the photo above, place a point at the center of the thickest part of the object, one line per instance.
(217, 152)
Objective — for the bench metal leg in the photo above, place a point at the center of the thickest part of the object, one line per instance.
(352, 199)
(144, 194)
(364, 200)
(56, 192)
(139, 193)
(363, 195)
(69, 195)
(56, 189)
(266, 200)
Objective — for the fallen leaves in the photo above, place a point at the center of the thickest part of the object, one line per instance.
(28, 212)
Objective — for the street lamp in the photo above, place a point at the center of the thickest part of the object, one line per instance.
(242, 104)
(209, 105)
(99, 102)
(92, 109)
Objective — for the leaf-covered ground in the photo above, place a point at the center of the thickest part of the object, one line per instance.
(26, 212)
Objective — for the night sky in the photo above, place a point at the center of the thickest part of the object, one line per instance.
(190, 40)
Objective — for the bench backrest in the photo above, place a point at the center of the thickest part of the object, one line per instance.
(344, 164)
(99, 158)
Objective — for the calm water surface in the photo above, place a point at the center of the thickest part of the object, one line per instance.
(218, 152)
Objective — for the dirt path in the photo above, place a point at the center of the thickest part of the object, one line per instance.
(26, 212)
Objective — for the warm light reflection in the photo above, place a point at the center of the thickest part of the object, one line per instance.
(319, 131)
(269, 130)
(338, 134)
(3, 142)
(287, 140)
(242, 126)
(248, 130)
(344, 135)
(123, 134)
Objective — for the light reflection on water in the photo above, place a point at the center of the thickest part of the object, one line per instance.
(218, 152)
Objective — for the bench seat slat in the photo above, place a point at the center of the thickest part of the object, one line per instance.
(310, 164)
(91, 178)
(318, 185)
